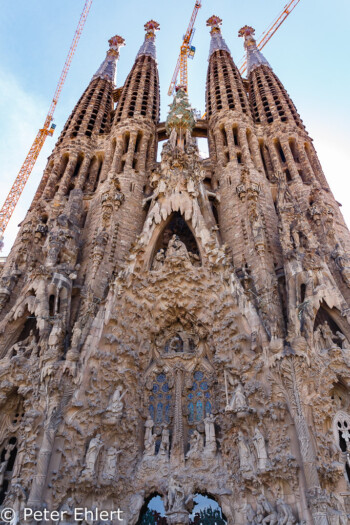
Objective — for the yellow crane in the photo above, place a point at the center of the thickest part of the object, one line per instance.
(47, 129)
(186, 51)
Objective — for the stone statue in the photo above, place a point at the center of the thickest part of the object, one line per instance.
(342, 262)
(238, 401)
(110, 464)
(176, 248)
(196, 444)
(148, 429)
(210, 438)
(260, 447)
(150, 445)
(344, 342)
(265, 512)
(285, 514)
(116, 405)
(245, 457)
(159, 260)
(165, 443)
(92, 453)
(250, 514)
(176, 496)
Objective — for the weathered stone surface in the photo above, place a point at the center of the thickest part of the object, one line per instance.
(181, 327)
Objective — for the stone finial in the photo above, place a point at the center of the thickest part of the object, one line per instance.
(148, 47)
(217, 41)
(254, 57)
(108, 68)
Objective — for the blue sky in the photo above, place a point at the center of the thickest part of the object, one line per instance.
(310, 54)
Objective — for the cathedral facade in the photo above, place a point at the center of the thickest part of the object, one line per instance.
(178, 330)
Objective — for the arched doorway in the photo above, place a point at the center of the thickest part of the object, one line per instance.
(206, 511)
(153, 511)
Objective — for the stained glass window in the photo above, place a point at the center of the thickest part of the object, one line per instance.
(160, 400)
(198, 398)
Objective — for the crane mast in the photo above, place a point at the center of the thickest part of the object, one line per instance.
(186, 51)
(47, 129)
(265, 37)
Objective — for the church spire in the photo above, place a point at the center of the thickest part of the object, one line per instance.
(217, 41)
(254, 57)
(148, 47)
(108, 68)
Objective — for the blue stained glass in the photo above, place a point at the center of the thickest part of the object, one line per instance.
(159, 416)
(168, 396)
(204, 385)
(207, 394)
(199, 411)
(194, 386)
(167, 413)
(161, 378)
(190, 412)
(160, 396)
(165, 387)
(151, 398)
(198, 375)
(199, 394)
(151, 411)
(207, 408)
(190, 395)
(155, 388)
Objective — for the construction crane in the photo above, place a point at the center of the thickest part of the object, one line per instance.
(186, 51)
(265, 37)
(47, 129)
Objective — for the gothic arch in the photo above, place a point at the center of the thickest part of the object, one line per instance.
(333, 317)
(175, 224)
(206, 510)
(153, 511)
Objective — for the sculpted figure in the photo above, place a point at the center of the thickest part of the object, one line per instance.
(176, 496)
(342, 262)
(110, 467)
(165, 443)
(176, 248)
(327, 335)
(238, 401)
(196, 444)
(285, 514)
(148, 429)
(344, 342)
(245, 458)
(92, 453)
(116, 405)
(265, 511)
(159, 260)
(210, 438)
(251, 515)
(260, 447)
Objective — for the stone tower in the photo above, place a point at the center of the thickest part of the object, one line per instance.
(176, 334)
